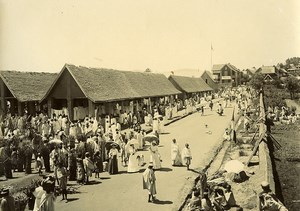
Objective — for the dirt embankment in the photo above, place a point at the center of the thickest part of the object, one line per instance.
(287, 164)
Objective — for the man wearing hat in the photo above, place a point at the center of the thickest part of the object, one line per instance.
(267, 200)
(149, 182)
(7, 201)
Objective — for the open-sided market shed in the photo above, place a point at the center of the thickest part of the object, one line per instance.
(79, 91)
(190, 86)
(22, 91)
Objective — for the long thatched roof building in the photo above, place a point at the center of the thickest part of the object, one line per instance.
(189, 84)
(105, 85)
(23, 87)
(99, 85)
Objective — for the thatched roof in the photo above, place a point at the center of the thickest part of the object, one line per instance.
(27, 86)
(104, 85)
(212, 77)
(189, 84)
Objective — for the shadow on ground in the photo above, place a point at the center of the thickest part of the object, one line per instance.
(162, 202)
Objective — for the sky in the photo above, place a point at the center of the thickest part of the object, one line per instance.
(163, 35)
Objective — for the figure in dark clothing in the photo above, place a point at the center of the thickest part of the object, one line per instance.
(28, 158)
(72, 165)
(45, 153)
(21, 159)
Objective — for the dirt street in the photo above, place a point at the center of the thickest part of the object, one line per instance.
(124, 191)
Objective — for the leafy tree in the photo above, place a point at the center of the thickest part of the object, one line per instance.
(292, 85)
(148, 70)
(257, 81)
(245, 78)
(294, 60)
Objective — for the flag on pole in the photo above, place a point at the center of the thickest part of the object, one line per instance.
(233, 132)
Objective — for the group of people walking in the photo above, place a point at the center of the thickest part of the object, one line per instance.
(178, 159)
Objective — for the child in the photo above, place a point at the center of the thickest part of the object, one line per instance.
(62, 176)
(98, 164)
(88, 167)
(229, 196)
(39, 163)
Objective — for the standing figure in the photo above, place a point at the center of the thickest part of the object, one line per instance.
(133, 162)
(211, 105)
(72, 165)
(187, 156)
(39, 163)
(14, 159)
(113, 161)
(62, 176)
(88, 166)
(38, 193)
(45, 152)
(48, 198)
(155, 156)
(98, 164)
(175, 154)
(149, 182)
(80, 169)
(220, 109)
(28, 157)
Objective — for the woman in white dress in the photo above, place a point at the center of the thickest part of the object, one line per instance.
(133, 164)
(187, 156)
(139, 137)
(155, 156)
(175, 154)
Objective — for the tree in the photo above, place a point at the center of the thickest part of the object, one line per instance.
(295, 61)
(257, 81)
(148, 70)
(292, 85)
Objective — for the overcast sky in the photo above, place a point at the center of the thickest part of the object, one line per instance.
(163, 35)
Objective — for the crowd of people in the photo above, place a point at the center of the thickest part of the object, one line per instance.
(74, 151)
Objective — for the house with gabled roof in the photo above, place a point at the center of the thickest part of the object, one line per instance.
(104, 92)
(190, 86)
(226, 75)
(22, 91)
(270, 72)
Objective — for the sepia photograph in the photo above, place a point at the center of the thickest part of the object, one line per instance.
(149, 105)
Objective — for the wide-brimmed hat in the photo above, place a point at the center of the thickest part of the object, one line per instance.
(265, 184)
(150, 164)
(4, 191)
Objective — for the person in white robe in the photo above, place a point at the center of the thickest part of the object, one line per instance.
(175, 154)
(38, 193)
(149, 182)
(155, 156)
(133, 165)
(187, 156)
(139, 137)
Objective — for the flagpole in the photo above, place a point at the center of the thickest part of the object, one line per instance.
(210, 56)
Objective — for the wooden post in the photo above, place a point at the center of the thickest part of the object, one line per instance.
(20, 108)
(69, 98)
(2, 92)
(70, 108)
(49, 106)
(91, 108)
